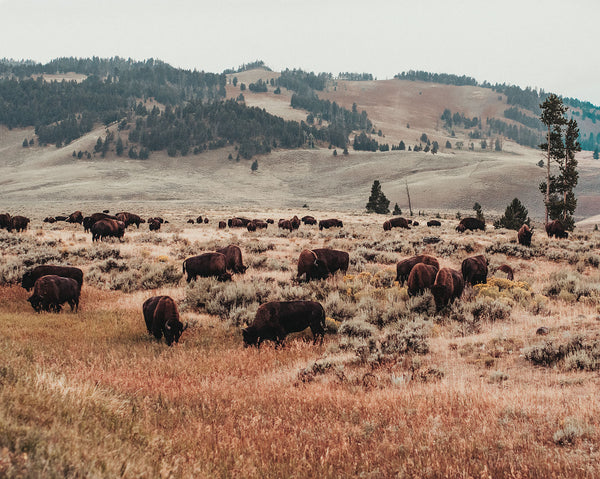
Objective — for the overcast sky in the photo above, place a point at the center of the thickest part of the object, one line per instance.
(550, 44)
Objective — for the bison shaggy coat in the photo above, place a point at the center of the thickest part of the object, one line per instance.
(19, 223)
(30, 277)
(5, 221)
(475, 270)
(207, 265)
(510, 274)
(434, 223)
(276, 319)
(447, 287)
(76, 217)
(107, 228)
(399, 222)
(310, 265)
(233, 258)
(470, 224)
(334, 259)
(162, 318)
(421, 277)
(51, 291)
(404, 267)
(309, 220)
(556, 229)
(524, 235)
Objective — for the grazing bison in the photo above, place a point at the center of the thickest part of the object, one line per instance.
(107, 228)
(88, 221)
(295, 222)
(310, 265)
(470, 224)
(271, 221)
(76, 217)
(154, 224)
(447, 287)
(415, 223)
(286, 225)
(309, 220)
(251, 226)
(49, 219)
(19, 223)
(334, 259)
(205, 221)
(330, 223)
(207, 265)
(421, 277)
(510, 274)
(190, 221)
(475, 270)
(434, 223)
(101, 216)
(387, 226)
(61, 218)
(222, 225)
(233, 258)
(51, 291)
(236, 223)
(129, 218)
(5, 221)
(30, 277)
(556, 229)
(399, 222)
(276, 319)
(199, 220)
(162, 318)
(260, 224)
(404, 267)
(524, 235)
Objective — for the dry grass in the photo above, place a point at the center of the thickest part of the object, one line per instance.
(91, 394)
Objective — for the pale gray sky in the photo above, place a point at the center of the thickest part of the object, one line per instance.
(549, 44)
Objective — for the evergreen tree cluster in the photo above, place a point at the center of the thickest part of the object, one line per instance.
(459, 119)
(517, 115)
(520, 134)
(355, 76)
(443, 78)
(259, 87)
(303, 82)
(515, 216)
(248, 66)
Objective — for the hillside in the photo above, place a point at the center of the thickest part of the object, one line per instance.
(403, 110)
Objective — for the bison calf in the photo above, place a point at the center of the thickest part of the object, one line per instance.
(276, 319)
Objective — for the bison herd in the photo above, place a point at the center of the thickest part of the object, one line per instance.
(54, 286)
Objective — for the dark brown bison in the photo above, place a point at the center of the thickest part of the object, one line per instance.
(524, 235)
(286, 225)
(107, 228)
(434, 223)
(475, 270)
(421, 277)
(199, 220)
(162, 318)
(276, 319)
(309, 220)
(330, 223)
(335, 260)
(404, 267)
(61, 218)
(271, 221)
(129, 218)
(75, 217)
(19, 223)
(510, 274)
(49, 219)
(190, 221)
(295, 222)
(222, 225)
(207, 265)
(205, 221)
(310, 265)
(88, 221)
(101, 216)
(387, 226)
(5, 221)
(251, 226)
(236, 223)
(399, 222)
(51, 291)
(30, 277)
(260, 224)
(233, 258)
(470, 224)
(415, 223)
(447, 287)
(556, 229)
(153, 224)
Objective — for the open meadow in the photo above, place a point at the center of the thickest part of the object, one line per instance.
(396, 389)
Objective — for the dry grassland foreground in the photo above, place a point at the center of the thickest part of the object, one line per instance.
(395, 390)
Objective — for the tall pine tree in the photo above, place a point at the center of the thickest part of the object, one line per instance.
(378, 203)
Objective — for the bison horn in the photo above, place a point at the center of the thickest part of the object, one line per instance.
(185, 327)
(168, 326)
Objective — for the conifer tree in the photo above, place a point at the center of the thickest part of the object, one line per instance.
(378, 203)
(515, 216)
(397, 211)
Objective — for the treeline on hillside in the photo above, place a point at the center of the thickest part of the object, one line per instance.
(355, 76)
(247, 66)
(303, 82)
(199, 126)
(518, 116)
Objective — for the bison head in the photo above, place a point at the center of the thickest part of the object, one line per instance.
(320, 269)
(36, 302)
(224, 277)
(250, 335)
(27, 281)
(461, 228)
(173, 330)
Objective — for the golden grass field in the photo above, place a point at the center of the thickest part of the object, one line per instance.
(93, 395)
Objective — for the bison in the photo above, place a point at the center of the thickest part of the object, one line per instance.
(233, 258)
(276, 319)
(399, 222)
(207, 265)
(49, 219)
(154, 224)
(162, 318)
(61, 218)
(295, 222)
(19, 223)
(475, 269)
(524, 235)
(434, 223)
(199, 220)
(286, 225)
(129, 218)
(447, 287)
(236, 223)
(205, 221)
(510, 274)
(51, 291)
(470, 224)
(222, 225)
(5, 221)
(75, 217)
(556, 229)
(251, 226)
(310, 265)
(404, 267)
(330, 223)
(387, 226)
(30, 277)
(309, 220)
(334, 259)
(107, 228)
(260, 224)
(190, 221)
(421, 277)
(102, 216)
